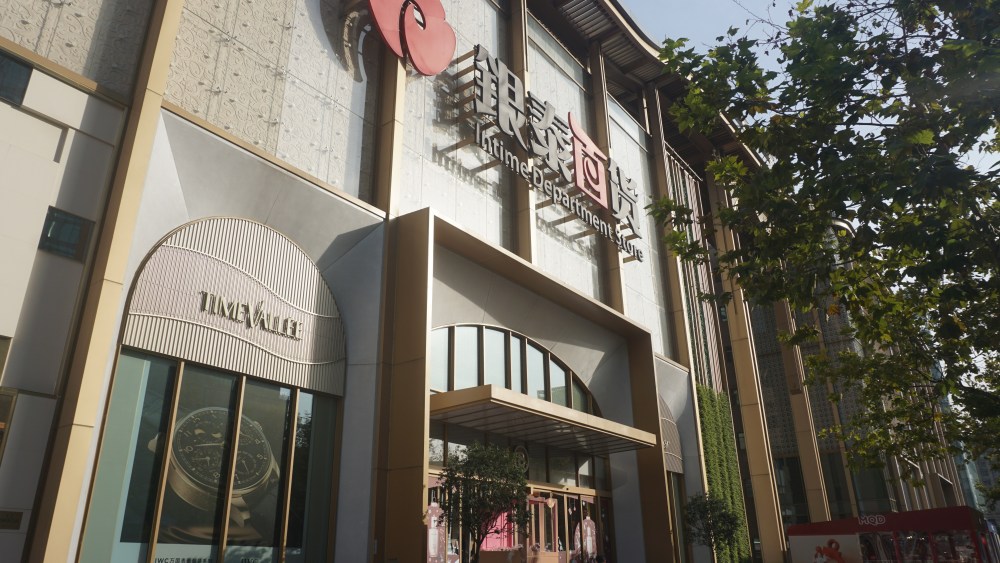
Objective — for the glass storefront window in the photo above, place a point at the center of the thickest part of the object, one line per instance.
(261, 455)
(536, 373)
(166, 475)
(495, 357)
(460, 438)
(516, 371)
(466, 357)
(602, 472)
(439, 360)
(607, 529)
(585, 469)
(562, 467)
(537, 463)
(124, 493)
(557, 384)
(548, 522)
(199, 458)
(435, 449)
(580, 401)
(312, 489)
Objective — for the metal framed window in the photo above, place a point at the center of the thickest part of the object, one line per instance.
(466, 356)
(205, 465)
(65, 234)
(8, 399)
(14, 76)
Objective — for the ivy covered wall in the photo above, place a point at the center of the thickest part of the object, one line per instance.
(723, 468)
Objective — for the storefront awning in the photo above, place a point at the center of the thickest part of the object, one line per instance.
(497, 410)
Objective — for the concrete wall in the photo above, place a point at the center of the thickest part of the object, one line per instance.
(58, 150)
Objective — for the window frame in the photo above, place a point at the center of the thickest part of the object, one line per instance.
(572, 380)
(57, 218)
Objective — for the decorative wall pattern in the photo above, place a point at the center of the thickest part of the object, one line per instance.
(98, 39)
(295, 78)
(442, 166)
(237, 295)
(774, 387)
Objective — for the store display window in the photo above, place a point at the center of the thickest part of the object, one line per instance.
(207, 465)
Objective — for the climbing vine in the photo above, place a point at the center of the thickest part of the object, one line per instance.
(722, 467)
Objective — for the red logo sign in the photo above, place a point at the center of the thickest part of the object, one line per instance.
(415, 29)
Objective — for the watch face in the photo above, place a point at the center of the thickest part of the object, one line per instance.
(200, 445)
(253, 456)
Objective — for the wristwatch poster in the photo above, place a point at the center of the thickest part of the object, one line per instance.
(195, 476)
(197, 466)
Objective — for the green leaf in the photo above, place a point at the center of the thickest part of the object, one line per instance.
(922, 137)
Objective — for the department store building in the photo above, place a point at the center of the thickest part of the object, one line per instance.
(263, 274)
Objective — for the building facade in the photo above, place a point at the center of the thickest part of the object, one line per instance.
(270, 262)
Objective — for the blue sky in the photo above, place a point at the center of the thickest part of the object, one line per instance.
(701, 21)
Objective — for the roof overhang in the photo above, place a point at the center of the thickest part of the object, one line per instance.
(497, 410)
(632, 62)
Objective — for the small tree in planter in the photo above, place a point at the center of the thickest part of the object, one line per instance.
(710, 521)
(480, 488)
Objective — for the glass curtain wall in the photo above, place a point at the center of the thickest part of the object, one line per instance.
(210, 466)
(465, 356)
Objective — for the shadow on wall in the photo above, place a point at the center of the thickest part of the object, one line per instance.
(117, 43)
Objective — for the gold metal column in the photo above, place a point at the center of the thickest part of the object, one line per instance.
(655, 499)
(390, 131)
(751, 407)
(802, 420)
(65, 484)
(613, 288)
(524, 201)
(676, 309)
(404, 409)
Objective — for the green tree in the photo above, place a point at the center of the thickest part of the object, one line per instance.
(710, 521)
(486, 483)
(877, 202)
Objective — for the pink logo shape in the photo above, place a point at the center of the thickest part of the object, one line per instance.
(417, 30)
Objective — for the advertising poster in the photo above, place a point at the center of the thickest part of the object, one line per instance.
(825, 549)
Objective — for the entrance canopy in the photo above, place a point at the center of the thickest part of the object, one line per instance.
(497, 410)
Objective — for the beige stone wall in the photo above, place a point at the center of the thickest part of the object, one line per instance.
(99, 39)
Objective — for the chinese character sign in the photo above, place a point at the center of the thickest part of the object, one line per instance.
(624, 197)
(588, 160)
(562, 160)
(549, 136)
(499, 94)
